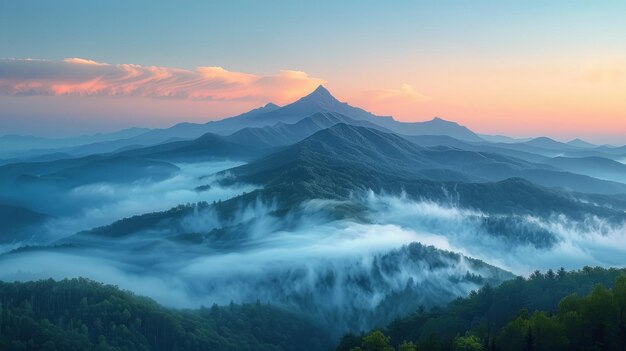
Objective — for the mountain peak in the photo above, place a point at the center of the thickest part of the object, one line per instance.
(321, 94)
(321, 90)
(580, 143)
(440, 120)
(543, 139)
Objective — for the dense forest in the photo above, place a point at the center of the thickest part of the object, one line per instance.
(80, 314)
(579, 310)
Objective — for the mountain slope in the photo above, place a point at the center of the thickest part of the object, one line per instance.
(340, 160)
(484, 314)
(444, 140)
(245, 144)
(321, 100)
(91, 169)
(598, 167)
(549, 144)
(343, 146)
(13, 145)
(17, 222)
(436, 126)
(206, 147)
(194, 130)
(581, 143)
(281, 134)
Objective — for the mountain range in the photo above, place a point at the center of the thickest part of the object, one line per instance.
(321, 208)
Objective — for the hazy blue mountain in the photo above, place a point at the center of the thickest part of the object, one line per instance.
(549, 144)
(90, 169)
(245, 144)
(337, 161)
(50, 186)
(581, 143)
(497, 138)
(389, 153)
(319, 101)
(343, 145)
(277, 120)
(617, 150)
(444, 140)
(551, 148)
(102, 148)
(207, 147)
(597, 167)
(281, 134)
(573, 182)
(18, 223)
(143, 138)
(535, 148)
(194, 130)
(13, 145)
(578, 173)
(436, 126)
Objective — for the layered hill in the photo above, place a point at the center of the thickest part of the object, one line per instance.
(378, 159)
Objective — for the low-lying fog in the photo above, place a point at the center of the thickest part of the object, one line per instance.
(336, 270)
(99, 204)
(592, 241)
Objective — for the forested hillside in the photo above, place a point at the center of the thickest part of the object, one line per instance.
(80, 314)
(580, 310)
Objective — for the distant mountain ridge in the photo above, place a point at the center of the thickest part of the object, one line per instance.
(581, 143)
(14, 144)
(319, 101)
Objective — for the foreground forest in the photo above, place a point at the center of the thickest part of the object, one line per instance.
(579, 310)
(80, 314)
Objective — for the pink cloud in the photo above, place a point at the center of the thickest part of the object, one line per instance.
(83, 61)
(83, 77)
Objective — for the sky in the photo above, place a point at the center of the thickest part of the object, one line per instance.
(520, 68)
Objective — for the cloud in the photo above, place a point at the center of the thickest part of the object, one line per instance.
(97, 204)
(83, 61)
(591, 241)
(343, 273)
(84, 77)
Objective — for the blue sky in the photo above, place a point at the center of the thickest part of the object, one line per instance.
(441, 49)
